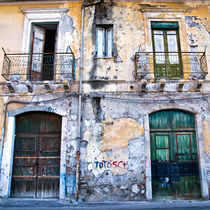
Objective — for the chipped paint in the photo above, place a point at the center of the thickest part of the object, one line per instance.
(206, 134)
(119, 133)
(115, 162)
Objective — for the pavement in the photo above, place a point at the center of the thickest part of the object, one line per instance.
(54, 204)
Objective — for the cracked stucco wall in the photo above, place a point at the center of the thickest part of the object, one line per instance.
(113, 152)
(113, 147)
(111, 167)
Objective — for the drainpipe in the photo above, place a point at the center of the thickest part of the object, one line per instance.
(79, 126)
(3, 129)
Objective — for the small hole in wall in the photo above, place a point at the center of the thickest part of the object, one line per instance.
(131, 87)
(107, 173)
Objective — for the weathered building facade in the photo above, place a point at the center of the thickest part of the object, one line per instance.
(105, 100)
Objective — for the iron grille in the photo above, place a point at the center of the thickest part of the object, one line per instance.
(39, 66)
(174, 65)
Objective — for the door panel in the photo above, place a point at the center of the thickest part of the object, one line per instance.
(23, 188)
(47, 188)
(178, 175)
(37, 50)
(24, 166)
(162, 147)
(36, 165)
(167, 56)
(162, 184)
(49, 167)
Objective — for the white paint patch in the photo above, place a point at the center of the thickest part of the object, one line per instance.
(135, 188)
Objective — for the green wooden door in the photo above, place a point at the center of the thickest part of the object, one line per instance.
(175, 171)
(36, 165)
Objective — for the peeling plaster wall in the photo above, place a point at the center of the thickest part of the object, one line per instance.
(130, 35)
(198, 28)
(12, 24)
(113, 153)
(126, 19)
(112, 168)
(115, 156)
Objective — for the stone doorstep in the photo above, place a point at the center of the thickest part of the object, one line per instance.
(14, 202)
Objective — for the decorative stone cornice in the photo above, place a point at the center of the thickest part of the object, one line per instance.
(162, 9)
(45, 10)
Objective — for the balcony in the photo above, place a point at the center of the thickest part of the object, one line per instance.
(170, 66)
(39, 66)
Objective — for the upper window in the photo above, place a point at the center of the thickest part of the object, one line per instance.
(43, 43)
(104, 41)
(167, 55)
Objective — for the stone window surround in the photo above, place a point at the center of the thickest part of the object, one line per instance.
(171, 15)
(8, 150)
(46, 15)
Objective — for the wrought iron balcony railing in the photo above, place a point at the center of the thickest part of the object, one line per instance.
(39, 66)
(175, 65)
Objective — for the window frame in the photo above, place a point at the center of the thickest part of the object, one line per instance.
(45, 15)
(105, 43)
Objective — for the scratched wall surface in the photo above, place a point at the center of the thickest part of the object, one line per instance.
(112, 153)
(115, 156)
(115, 169)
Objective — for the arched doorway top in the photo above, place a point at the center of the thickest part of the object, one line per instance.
(38, 122)
(171, 119)
(16, 112)
(189, 108)
(173, 109)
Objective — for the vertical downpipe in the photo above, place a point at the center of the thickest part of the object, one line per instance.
(79, 127)
(80, 108)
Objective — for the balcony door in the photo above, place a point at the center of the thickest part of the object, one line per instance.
(166, 48)
(43, 42)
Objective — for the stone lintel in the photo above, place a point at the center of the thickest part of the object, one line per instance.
(199, 85)
(162, 85)
(47, 86)
(180, 85)
(143, 85)
(10, 87)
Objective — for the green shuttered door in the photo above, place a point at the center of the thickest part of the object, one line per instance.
(175, 172)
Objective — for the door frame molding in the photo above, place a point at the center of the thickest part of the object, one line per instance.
(199, 140)
(45, 15)
(8, 150)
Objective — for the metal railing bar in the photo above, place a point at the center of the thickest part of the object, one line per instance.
(144, 52)
(53, 53)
